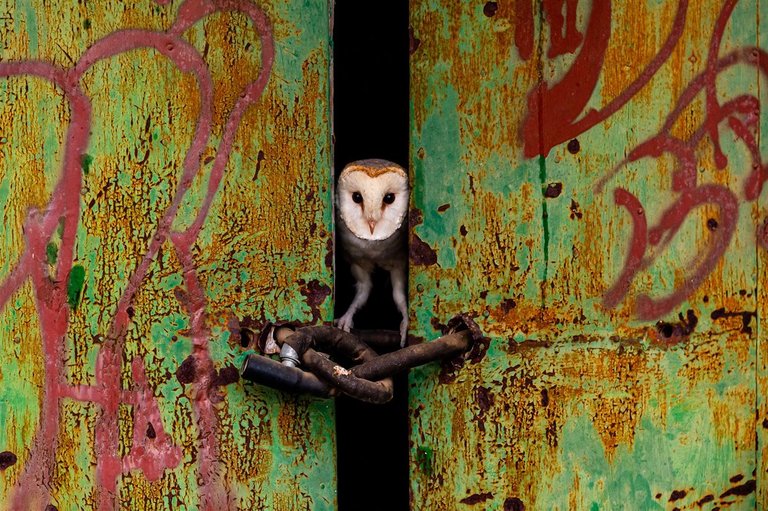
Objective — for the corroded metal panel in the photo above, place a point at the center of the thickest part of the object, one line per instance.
(588, 183)
(160, 163)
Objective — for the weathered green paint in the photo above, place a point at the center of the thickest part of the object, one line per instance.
(584, 401)
(87, 160)
(51, 252)
(260, 253)
(74, 284)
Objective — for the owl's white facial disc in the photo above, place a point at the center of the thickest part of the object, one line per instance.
(372, 199)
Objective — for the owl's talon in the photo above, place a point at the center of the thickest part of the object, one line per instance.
(403, 332)
(345, 323)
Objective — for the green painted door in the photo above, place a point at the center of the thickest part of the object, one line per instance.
(148, 150)
(588, 183)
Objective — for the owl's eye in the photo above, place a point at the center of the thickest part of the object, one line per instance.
(389, 198)
(357, 197)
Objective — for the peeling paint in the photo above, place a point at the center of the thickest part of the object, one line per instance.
(607, 194)
(7, 459)
(141, 180)
(315, 293)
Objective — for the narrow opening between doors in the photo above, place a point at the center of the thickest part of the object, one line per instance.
(371, 114)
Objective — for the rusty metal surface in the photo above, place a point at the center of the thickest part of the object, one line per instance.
(588, 182)
(158, 162)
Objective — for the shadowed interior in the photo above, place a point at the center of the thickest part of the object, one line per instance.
(371, 121)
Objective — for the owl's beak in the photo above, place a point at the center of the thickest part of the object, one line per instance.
(372, 225)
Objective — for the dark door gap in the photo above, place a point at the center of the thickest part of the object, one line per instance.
(371, 102)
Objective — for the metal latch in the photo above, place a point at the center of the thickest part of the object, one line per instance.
(308, 358)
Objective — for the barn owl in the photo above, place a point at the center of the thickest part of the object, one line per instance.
(372, 200)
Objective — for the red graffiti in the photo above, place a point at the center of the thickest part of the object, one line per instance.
(556, 112)
(565, 37)
(740, 116)
(152, 450)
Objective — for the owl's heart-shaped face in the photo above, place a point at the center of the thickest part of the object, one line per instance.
(372, 196)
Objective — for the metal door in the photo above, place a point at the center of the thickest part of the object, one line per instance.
(148, 150)
(589, 184)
